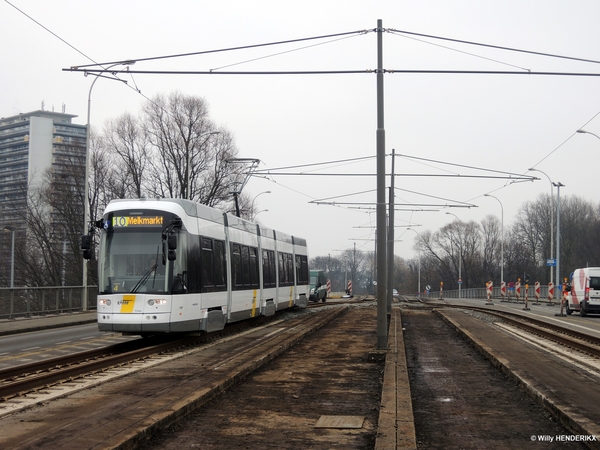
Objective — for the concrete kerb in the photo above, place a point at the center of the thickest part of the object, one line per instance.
(396, 425)
(181, 408)
(573, 421)
(39, 323)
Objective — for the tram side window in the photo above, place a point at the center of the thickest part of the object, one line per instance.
(219, 264)
(236, 265)
(268, 268)
(281, 269)
(286, 269)
(301, 269)
(289, 267)
(245, 266)
(207, 265)
(253, 269)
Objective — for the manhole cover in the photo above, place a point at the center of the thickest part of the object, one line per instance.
(340, 422)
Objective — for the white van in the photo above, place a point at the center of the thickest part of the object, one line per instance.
(585, 291)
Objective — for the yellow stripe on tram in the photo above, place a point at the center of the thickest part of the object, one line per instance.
(291, 296)
(253, 304)
(127, 304)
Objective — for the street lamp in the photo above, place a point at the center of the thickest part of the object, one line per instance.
(587, 132)
(558, 186)
(419, 256)
(501, 240)
(459, 257)
(254, 199)
(12, 256)
(189, 164)
(551, 217)
(86, 205)
(262, 210)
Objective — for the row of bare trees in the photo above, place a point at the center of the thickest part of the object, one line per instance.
(171, 149)
(474, 250)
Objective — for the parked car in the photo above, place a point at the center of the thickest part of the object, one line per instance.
(584, 293)
(318, 286)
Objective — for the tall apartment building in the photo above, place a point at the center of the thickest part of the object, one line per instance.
(32, 145)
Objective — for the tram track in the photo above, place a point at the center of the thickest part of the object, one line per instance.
(20, 380)
(26, 379)
(128, 410)
(573, 339)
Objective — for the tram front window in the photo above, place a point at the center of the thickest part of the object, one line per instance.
(132, 262)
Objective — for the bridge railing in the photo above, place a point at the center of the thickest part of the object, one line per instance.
(496, 294)
(31, 301)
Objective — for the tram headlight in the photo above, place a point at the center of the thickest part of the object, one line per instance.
(157, 301)
(104, 301)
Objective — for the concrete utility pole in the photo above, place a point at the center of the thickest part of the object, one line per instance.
(390, 244)
(381, 216)
(558, 280)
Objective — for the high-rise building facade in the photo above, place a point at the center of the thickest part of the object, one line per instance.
(37, 147)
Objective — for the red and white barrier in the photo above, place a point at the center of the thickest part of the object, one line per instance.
(328, 288)
(489, 285)
(503, 289)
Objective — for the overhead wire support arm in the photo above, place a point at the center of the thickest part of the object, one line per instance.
(229, 49)
(218, 72)
(253, 162)
(497, 47)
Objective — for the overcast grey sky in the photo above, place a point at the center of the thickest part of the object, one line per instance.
(507, 123)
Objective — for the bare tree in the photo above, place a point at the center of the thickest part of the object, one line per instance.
(126, 138)
(491, 230)
(188, 161)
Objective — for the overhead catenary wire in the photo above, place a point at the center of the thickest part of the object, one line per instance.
(398, 32)
(497, 47)
(341, 72)
(230, 49)
(460, 51)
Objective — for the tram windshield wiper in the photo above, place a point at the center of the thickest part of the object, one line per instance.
(144, 278)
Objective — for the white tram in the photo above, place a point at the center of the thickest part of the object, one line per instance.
(172, 265)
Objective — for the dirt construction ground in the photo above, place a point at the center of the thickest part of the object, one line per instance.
(279, 406)
(460, 401)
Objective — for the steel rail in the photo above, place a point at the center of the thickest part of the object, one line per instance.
(571, 338)
(31, 377)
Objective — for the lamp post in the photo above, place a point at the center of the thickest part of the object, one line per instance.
(501, 239)
(12, 256)
(419, 256)
(254, 199)
(262, 210)
(459, 257)
(86, 205)
(189, 164)
(551, 217)
(558, 186)
(587, 132)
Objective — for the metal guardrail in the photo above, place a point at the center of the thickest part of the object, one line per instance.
(32, 301)
(482, 293)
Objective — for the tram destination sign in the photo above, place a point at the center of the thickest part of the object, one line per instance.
(138, 221)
